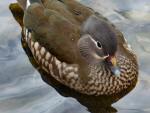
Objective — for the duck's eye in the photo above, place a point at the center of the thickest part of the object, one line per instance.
(99, 45)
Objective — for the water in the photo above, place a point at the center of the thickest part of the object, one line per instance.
(21, 86)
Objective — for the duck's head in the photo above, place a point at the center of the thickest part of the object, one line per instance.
(98, 43)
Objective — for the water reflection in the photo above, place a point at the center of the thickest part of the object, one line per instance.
(22, 89)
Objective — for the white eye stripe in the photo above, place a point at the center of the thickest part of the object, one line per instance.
(92, 40)
(95, 42)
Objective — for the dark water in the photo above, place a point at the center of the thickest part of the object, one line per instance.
(21, 87)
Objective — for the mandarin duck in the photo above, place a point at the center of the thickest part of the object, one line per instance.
(80, 49)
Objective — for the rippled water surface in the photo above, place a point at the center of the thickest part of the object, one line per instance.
(21, 87)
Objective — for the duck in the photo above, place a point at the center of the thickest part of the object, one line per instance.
(80, 50)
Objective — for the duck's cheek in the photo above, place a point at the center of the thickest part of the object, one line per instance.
(99, 52)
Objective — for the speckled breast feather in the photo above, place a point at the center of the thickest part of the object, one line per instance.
(67, 74)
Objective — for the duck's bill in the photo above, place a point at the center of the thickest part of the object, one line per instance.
(114, 68)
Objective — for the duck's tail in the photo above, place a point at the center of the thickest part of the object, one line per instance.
(17, 12)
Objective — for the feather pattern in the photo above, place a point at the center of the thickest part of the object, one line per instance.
(101, 81)
(54, 41)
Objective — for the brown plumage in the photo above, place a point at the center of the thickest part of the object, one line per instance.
(61, 39)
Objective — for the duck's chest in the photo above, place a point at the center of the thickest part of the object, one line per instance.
(103, 82)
